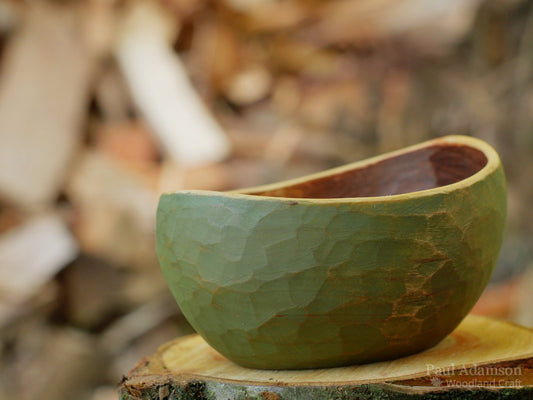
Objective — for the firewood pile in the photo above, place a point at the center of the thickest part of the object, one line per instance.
(105, 104)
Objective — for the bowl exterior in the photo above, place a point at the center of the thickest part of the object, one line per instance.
(278, 283)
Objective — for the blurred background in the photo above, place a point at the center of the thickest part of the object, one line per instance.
(106, 104)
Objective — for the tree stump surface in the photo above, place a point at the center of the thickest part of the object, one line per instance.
(482, 359)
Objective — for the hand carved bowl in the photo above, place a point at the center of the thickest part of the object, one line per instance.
(369, 261)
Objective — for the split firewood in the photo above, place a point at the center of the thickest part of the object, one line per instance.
(32, 253)
(115, 210)
(41, 108)
(162, 90)
(433, 25)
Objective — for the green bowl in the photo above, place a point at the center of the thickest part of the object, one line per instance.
(370, 261)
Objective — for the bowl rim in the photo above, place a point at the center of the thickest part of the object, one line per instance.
(493, 163)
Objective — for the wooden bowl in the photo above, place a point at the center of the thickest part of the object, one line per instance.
(370, 261)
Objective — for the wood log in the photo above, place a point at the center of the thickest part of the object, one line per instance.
(483, 358)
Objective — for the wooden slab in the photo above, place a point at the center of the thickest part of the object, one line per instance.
(482, 356)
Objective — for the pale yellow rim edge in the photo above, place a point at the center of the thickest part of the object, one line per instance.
(493, 162)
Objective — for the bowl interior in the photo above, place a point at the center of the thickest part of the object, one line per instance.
(421, 169)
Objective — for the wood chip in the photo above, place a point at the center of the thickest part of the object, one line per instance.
(249, 86)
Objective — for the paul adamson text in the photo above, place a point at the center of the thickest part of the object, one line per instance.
(474, 375)
(473, 370)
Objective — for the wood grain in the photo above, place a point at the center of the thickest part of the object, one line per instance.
(425, 168)
(482, 353)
